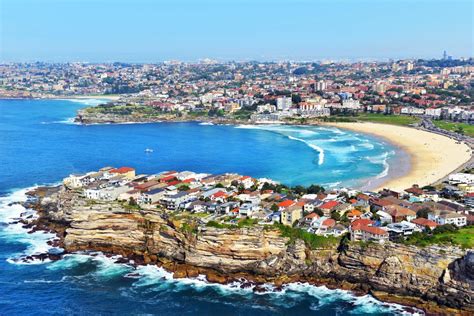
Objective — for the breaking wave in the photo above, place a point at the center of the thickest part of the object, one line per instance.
(91, 267)
(315, 147)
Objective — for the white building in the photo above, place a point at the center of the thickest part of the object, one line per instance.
(458, 178)
(320, 85)
(433, 112)
(284, 103)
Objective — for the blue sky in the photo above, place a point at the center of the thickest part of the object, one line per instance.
(151, 31)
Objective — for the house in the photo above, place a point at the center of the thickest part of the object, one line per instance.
(328, 207)
(452, 218)
(415, 190)
(402, 229)
(291, 214)
(323, 225)
(311, 205)
(400, 213)
(458, 178)
(384, 217)
(424, 224)
(360, 232)
(337, 230)
(310, 218)
(248, 209)
(152, 196)
(379, 204)
(353, 214)
(285, 204)
(225, 208)
(246, 181)
(174, 201)
(126, 172)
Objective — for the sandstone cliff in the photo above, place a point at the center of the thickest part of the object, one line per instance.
(425, 277)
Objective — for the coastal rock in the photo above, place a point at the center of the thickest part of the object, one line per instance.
(256, 254)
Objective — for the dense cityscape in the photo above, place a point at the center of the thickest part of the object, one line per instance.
(264, 92)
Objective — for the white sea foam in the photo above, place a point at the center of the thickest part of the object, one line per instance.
(206, 123)
(158, 279)
(88, 101)
(314, 146)
(10, 211)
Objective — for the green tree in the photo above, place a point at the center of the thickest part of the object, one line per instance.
(335, 215)
(423, 212)
(184, 188)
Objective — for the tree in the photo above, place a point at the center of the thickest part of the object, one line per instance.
(274, 207)
(296, 98)
(299, 189)
(132, 202)
(319, 212)
(315, 189)
(423, 212)
(184, 188)
(335, 215)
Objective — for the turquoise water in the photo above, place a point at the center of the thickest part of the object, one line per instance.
(39, 145)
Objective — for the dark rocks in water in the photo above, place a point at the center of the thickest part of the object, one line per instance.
(246, 285)
(259, 289)
(133, 275)
(122, 260)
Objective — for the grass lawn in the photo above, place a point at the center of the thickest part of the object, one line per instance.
(463, 237)
(387, 119)
(450, 126)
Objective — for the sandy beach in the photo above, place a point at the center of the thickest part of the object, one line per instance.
(432, 156)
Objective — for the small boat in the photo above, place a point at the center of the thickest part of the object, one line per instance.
(148, 150)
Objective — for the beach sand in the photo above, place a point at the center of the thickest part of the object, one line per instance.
(432, 156)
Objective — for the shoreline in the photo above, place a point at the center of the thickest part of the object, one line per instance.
(181, 269)
(431, 156)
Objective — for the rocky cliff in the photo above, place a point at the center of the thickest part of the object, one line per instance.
(438, 279)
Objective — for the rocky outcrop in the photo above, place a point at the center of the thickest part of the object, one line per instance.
(395, 272)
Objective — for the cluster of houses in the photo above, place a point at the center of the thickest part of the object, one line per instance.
(366, 216)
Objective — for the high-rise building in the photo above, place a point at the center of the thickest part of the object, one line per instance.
(409, 66)
(320, 85)
(283, 103)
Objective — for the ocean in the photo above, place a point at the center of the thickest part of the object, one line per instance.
(39, 144)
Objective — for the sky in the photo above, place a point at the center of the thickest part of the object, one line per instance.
(189, 30)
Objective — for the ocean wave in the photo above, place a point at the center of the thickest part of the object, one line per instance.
(88, 101)
(69, 121)
(153, 278)
(13, 232)
(314, 146)
(206, 123)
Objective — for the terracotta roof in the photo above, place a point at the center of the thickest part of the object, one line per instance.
(424, 222)
(361, 222)
(286, 203)
(329, 222)
(312, 215)
(122, 170)
(329, 205)
(374, 230)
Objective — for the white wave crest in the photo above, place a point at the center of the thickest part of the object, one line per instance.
(13, 231)
(314, 146)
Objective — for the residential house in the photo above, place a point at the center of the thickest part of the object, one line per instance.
(424, 224)
(291, 214)
(400, 213)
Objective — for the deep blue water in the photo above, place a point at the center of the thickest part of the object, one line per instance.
(39, 146)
